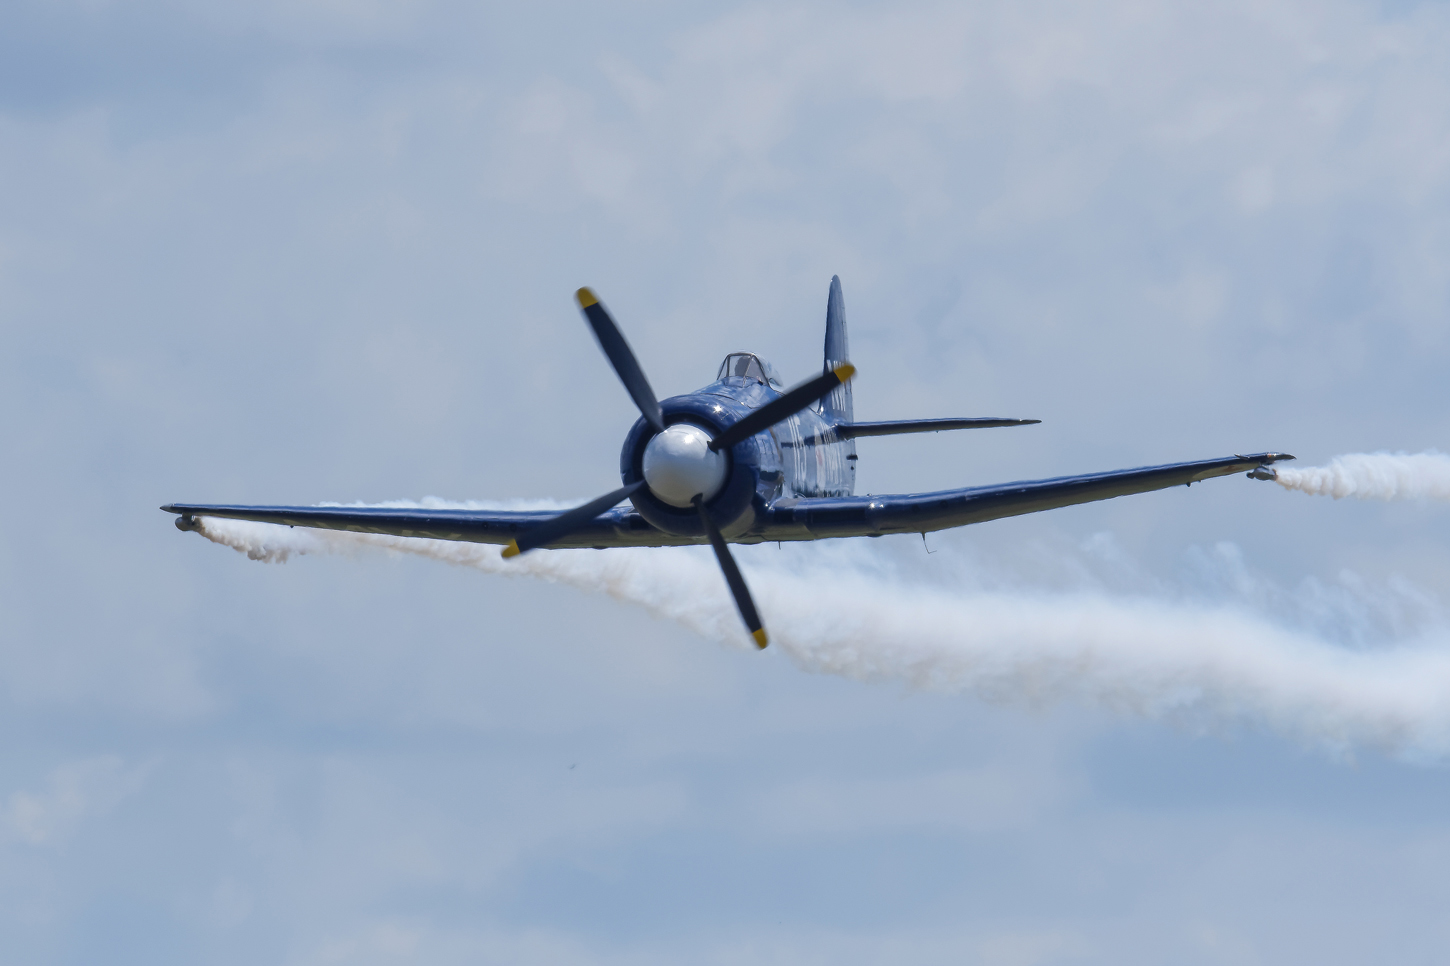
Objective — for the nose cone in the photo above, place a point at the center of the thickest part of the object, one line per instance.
(679, 465)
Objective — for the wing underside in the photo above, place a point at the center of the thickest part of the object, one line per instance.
(806, 519)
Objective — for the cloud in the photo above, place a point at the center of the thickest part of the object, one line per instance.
(984, 800)
(73, 793)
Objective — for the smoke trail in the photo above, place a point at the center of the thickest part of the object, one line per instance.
(1375, 476)
(843, 609)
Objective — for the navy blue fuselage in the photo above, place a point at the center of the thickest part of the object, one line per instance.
(801, 456)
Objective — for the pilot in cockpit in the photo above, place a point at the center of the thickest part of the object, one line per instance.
(747, 365)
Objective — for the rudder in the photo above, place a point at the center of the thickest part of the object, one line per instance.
(836, 407)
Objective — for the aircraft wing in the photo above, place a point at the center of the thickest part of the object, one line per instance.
(788, 519)
(925, 512)
(616, 527)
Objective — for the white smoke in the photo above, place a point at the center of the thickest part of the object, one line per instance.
(1375, 476)
(1307, 664)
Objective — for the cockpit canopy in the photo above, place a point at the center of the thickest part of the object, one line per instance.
(747, 365)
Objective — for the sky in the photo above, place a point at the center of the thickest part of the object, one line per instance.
(326, 251)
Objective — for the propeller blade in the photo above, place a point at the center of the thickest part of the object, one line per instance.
(567, 522)
(792, 402)
(741, 593)
(626, 366)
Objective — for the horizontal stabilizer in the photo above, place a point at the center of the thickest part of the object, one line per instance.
(853, 430)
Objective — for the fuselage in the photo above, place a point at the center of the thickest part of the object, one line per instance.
(801, 456)
(813, 460)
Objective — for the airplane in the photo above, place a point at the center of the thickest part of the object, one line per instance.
(742, 461)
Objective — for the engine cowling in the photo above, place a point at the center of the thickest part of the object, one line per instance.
(677, 463)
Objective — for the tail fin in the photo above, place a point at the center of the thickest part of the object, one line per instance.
(837, 406)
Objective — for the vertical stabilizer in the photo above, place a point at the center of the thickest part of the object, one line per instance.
(837, 406)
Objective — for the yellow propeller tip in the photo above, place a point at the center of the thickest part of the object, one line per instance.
(512, 550)
(844, 371)
(586, 297)
(760, 639)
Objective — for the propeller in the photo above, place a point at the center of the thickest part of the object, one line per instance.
(567, 522)
(611, 340)
(627, 367)
(738, 590)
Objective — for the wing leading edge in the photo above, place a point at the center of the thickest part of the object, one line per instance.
(925, 512)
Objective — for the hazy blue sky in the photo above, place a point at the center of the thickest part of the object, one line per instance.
(325, 250)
